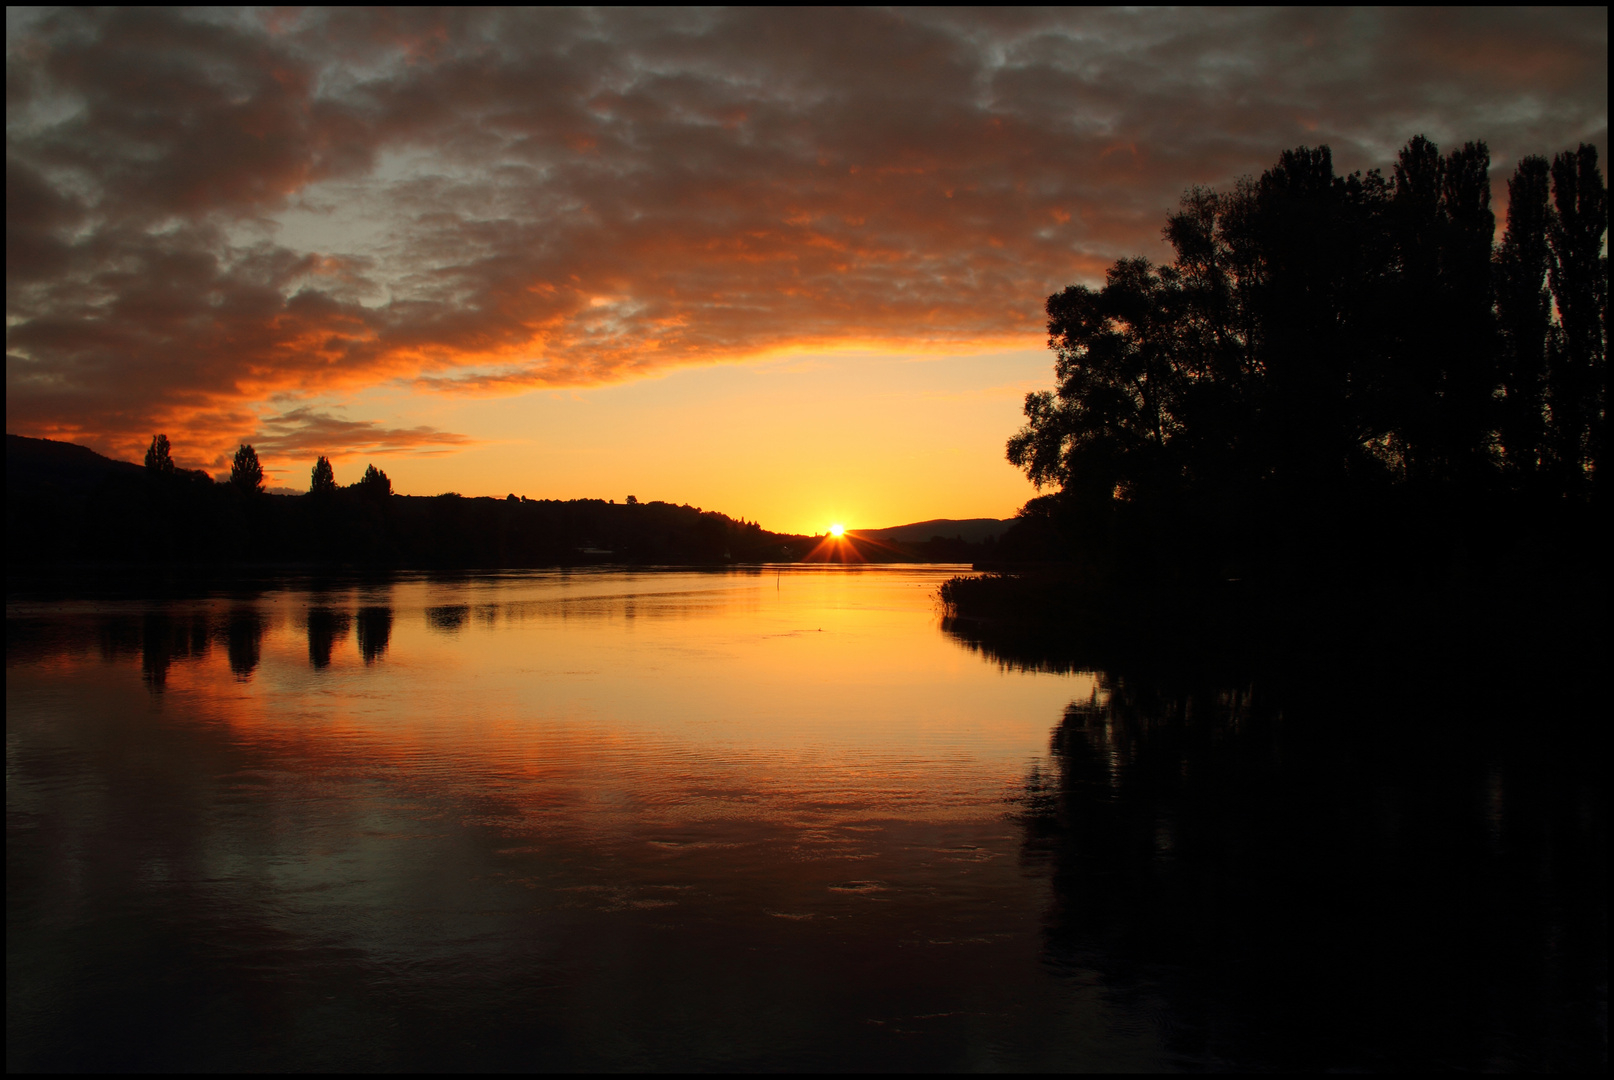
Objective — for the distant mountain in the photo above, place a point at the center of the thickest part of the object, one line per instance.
(972, 530)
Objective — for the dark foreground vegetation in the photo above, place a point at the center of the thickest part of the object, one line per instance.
(1343, 410)
(1371, 858)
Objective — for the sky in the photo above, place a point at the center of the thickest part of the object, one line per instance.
(789, 265)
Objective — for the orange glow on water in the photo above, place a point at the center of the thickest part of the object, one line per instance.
(588, 684)
(717, 769)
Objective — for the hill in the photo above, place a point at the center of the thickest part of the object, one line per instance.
(67, 505)
(969, 530)
(61, 466)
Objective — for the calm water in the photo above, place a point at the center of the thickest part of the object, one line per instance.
(778, 819)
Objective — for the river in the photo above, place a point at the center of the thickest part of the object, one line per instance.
(775, 818)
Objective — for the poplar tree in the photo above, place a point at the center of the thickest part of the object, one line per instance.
(1577, 377)
(323, 481)
(245, 471)
(158, 457)
(1524, 318)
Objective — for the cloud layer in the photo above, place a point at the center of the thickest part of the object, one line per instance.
(221, 224)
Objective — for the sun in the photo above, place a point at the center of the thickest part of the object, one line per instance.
(837, 529)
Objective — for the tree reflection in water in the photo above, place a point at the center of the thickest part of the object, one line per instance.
(326, 627)
(164, 639)
(375, 631)
(244, 635)
(1341, 871)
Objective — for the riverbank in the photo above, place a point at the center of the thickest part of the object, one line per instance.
(1548, 628)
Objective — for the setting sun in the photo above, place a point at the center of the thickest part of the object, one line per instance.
(837, 529)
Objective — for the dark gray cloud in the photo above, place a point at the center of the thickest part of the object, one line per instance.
(310, 432)
(212, 219)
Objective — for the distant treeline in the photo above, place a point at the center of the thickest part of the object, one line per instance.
(67, 504)
(1337, 376)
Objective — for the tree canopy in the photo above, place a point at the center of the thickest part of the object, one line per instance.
(245, 471)
(323, 480)
(374, 483)
(1320, 335)
(159, 457)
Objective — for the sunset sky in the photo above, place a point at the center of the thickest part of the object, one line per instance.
(789, 265)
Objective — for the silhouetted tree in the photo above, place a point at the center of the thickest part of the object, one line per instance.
(1524, 317)
(1231, 362)
(374, 484)
(324, 477)
(1304, 229)
(245, 471)
(1577, 378)
(1469, 376)
(1320, 340)
(158, 457)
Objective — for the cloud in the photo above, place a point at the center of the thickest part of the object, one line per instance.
(212, 215)
(309, 432)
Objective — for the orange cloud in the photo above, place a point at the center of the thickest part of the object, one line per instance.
(309, 432)
(216, 222)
